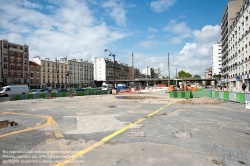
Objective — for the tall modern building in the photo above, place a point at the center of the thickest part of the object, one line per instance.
(157, 72)
(230, 13)
(14, 60)
(104, 70)
(148, 71)
(238, 48)
(216, 59)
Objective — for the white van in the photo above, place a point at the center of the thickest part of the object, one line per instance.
(14, 89)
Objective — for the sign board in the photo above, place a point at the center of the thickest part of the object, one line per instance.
(238, 78)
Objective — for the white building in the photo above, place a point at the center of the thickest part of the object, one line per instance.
(157, 72)
(148, 71)
(238, 49)
(104, 70)
(216, 59)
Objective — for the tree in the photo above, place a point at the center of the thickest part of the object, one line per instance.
(183, 74)
(196, 76)
(218, 76)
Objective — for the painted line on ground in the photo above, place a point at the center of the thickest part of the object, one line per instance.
(107, 138)
(49, 122)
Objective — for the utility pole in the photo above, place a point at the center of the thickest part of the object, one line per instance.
(176, 76)
(147, 76)
(168, 72)
(133, 70)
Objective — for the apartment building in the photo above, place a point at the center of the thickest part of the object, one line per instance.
(216, 59)
(148, 71)
(52, 73)
(81, 73)
(14, 60)
(34, 75)
(157, 72)
(104, 70)
(230, 12)
(238, 48)
(136, 74)
(208, 73)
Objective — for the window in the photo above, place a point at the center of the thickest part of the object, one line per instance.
(5, 52)
(5, 66)
(12, 60)
(18, 67)
(25, 68)
(25, 55)
(25, 62)
(31, 74)
(18, 74)
(31, 81)
(25, 49)
(12, 66)
(12, 53)
(18, 55)
(31, 68)
(12, 74)
(18, 60)
(5, 45)
(5, 59)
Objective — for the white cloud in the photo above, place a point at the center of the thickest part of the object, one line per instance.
(161, 5)
(150, 43)
(152, 30)
(116, 11)
(207, 34)
(151, 36)
(180, 29)
(71, 29)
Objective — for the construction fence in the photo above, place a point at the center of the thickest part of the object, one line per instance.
(92, 91)
(221, 95)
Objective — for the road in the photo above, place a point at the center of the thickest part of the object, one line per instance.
(104, 130)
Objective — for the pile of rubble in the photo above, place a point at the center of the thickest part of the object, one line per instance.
(202, 100)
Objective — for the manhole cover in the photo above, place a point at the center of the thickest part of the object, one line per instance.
(136, 97)
(6, 123)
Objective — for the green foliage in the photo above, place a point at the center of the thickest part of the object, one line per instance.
(196, 76)
(183, 74)
(218, 76)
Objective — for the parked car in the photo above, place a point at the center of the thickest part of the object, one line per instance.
(79, 89)
(60, 90)
(39, 91)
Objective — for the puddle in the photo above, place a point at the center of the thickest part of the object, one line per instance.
(6, 123)
(136, 97)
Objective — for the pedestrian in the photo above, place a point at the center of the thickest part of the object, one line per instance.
(244, 87)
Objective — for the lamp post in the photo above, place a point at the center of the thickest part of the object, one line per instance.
(113, 55)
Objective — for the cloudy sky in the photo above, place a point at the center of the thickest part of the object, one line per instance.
(151, 29)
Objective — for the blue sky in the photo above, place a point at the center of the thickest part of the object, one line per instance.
(186, 29)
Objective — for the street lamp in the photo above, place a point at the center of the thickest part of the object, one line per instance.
(113, 55)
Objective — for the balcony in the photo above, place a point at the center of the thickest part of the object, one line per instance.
(16, 50)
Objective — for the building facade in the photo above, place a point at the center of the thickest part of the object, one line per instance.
(52, 73)
(81, 73)
(229, 14)
(157, 72)
(14, 59)
(238, 49)
(148, 71)
(216, 59)
(208, 73)
(104, 70)
(34, 75)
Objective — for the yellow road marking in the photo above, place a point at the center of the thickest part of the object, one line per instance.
(105, 139)
(49, 122)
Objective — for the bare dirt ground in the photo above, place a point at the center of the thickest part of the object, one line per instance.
(203, 100)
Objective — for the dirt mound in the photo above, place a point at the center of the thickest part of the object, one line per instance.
(202, 100)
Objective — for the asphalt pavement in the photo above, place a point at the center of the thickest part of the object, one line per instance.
(105, 130)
